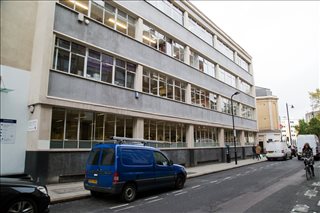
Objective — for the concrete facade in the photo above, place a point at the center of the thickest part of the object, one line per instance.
(52, 89)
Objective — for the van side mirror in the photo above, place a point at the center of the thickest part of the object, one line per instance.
(170, 162)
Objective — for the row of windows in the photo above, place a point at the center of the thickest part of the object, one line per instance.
(165, 131)
(105, 13)
(161, 42)
(205, 136)
(226, 77)
(169, 9)
(76, 59)
(162, 85)
(80, 129)
(115, 18)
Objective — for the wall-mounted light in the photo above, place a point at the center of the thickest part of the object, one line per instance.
(136, 95)
(31, 108)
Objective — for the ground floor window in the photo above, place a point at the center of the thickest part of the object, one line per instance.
(249, 138)
(72, 128)
(170, 133)
(228, 137)
(205, 136)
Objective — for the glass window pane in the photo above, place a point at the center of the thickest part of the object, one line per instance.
(130, 80)
(57, 124)
(99, 122)
(177, 93)
(129, 127)
(120, 126)
(146, 130)
(109, 18)
(63, 60)
(146, 84)
(96, 12)
(154, 84)
(63, 43)
(93, 69)
(94, 54)
(106, 73)
(153, 130)
(67, 3)
(107, 59)
(86, 124)
(82, 6)
(131, 67)
(79, 49)
(120, 76)
(170, 90)
(120, 63)
(77, 64)
(109, 127)
(72, 125)
(107, 157)
(160, 131)
(121, 23)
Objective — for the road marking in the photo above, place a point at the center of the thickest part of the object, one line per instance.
(177, 191)
(115, 207)
(238, 174)
(214, 181)
(227, 178)
(151, 198)
(319, 203)
(316, 184)
(300, 208)
(130, 207)
(311, 193)
(180, 193)
(151, 201)
(193, 187)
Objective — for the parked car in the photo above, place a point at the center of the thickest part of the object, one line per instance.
(20, 195)
(313, 141)
(126, 169)
(278, 150)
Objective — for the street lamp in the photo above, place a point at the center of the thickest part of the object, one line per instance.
(234, 131)
(291, 106)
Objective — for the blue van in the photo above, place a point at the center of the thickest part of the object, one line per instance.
(116, 168)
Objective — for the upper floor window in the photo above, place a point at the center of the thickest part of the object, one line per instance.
(105, 13)
(161, 42)
(247, 112)
(200, 97)
(162, 85)
(224, 49)
(71, 57)
(226, 77)
(242, 63)
(202, 64)
(197, 29)
(244, 87)
(169, 9)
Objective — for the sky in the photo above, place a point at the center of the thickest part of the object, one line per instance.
(283, 39)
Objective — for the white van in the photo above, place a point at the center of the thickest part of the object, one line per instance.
(313, 141)
(278, 150)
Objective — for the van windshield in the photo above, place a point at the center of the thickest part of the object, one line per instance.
(94, 157)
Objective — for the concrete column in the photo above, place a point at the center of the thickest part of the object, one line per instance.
(219, 103)
(215, 41)
(186, 58)
(216, 69)
(235, 55)
(190, 136)
(188, 94)
(221, 137)
(39, 137)
(242, 138)
(138, 128)
(185, 19)
(139, 30)
(138, 78)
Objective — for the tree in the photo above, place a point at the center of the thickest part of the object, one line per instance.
(302, 128)
(315, 99)
(314, 126)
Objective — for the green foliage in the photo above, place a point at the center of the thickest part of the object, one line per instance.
(315, 99)
(313, 127)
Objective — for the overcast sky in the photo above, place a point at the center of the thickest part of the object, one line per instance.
(283, 39)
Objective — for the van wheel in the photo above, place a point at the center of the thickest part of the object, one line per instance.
(179, 184)
(129, 192)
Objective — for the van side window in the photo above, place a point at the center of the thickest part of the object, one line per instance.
(94, 157)
(160, 159)
(107, 158)
(137, 157)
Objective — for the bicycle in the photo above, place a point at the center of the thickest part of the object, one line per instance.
(308, 162)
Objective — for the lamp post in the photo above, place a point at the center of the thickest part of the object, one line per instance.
(234, 131)
(291, 106)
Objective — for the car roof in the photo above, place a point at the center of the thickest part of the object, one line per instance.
(114, 143)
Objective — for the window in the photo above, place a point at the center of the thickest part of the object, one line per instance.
(78, 5)
(244, 87)
(213, 101)
(124, 73)
(226, 105)
(198, 30)
(247, 112)
(94, 65)
(99, 126)
(157, 40)
(224, 49)
(106, 68)
(242, 63)
(94, 157)
(205, 136)
(160, 159)
(201, 64)
(107, 157)
(137, 157)
(226, 77)
(200, 97)
(169, 9)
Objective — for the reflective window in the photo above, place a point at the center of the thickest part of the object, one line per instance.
(202, 64)
(198, 30)
(78, 5)
(242, 63)
(224, 49)
(169, 9)
(226, 77)
(200, 97)
(205, 136)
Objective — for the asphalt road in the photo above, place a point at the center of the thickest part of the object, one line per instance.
(276, 186)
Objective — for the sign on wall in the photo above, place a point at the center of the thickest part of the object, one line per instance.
(8, 131)
(32, 125)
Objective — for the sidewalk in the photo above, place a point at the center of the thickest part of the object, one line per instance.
(71, 191)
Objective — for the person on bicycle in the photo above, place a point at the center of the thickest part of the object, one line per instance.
(307, 153)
